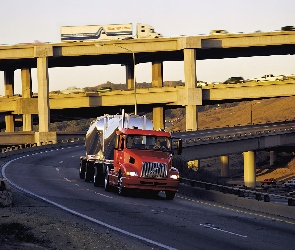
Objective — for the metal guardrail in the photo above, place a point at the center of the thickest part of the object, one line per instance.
(239, 191)
(16, 149)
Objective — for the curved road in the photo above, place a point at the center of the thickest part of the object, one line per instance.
(157, 223)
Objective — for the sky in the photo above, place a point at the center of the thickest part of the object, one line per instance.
(36, 20)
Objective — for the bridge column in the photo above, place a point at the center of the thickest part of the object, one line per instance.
(224, 165)
(43, 94)
(43, 136)
(26, 93)
(272, 157)
(9, 91)
(249, 169)
(158, 118)
(157, 82)
(190, 84)
(130, 76)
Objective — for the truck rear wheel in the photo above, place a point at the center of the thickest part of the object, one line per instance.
(89, 171)
(170, 195)
(98, 177)
(82, 169)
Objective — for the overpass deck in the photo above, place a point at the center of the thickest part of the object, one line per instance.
(147, 50)
(171, 96)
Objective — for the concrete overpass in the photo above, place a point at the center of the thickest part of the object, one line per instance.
(129, 53)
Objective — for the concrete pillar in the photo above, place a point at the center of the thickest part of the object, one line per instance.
(249, 169)
(272, 157)
(43, 94)
(157, 74)
(26, 93)
(9, 91)
(130, 76)
(157, 82)
(158, 118)
(43, 136)
(224, 165)
(190, 83)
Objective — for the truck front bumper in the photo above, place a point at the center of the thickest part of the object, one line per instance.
(151, 183)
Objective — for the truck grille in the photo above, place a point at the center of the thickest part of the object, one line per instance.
(154, 170)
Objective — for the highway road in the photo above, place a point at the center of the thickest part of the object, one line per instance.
(157, 223)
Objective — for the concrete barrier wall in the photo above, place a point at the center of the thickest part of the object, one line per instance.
(271, 208)
(17, 149)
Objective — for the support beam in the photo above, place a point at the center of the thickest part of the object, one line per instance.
(272, 157)
(26, 93)
(224, 165)
(191, 117)
(130, 76)
(249, 169)
(43, 94)
(190, 84)
(157, 74)
(9, 91)
(43, 136)
(157, 82)
(158, 118)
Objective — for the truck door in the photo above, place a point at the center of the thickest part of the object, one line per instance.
(119, 152)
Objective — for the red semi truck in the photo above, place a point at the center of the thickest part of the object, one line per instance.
(126, 153)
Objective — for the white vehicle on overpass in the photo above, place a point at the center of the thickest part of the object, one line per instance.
(270, 77)
(107, 32)
(290, 183)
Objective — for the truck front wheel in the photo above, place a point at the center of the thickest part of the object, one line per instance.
(121, 189)
(107, 186)
(170, 195)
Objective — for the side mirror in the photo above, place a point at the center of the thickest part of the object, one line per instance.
(179, 147)
(117, 140)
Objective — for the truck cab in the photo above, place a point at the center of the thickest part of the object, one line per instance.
(146, 31)
(143, 161)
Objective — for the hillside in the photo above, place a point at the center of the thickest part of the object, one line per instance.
(234, 114)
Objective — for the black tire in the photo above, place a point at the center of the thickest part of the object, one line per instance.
(82, 169)
(121, 189)
(107, 186)
(89, 171)
(170, 195)
(155, 193)
(98, 177)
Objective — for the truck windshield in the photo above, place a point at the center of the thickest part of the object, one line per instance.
(148, 142)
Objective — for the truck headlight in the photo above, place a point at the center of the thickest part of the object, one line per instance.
(131, 174)
(174, 176)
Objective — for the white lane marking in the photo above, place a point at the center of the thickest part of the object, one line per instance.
(61, 162)
(221, 230)
(67, 179)
(83, 215)
(57, 169)
(104, 195)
